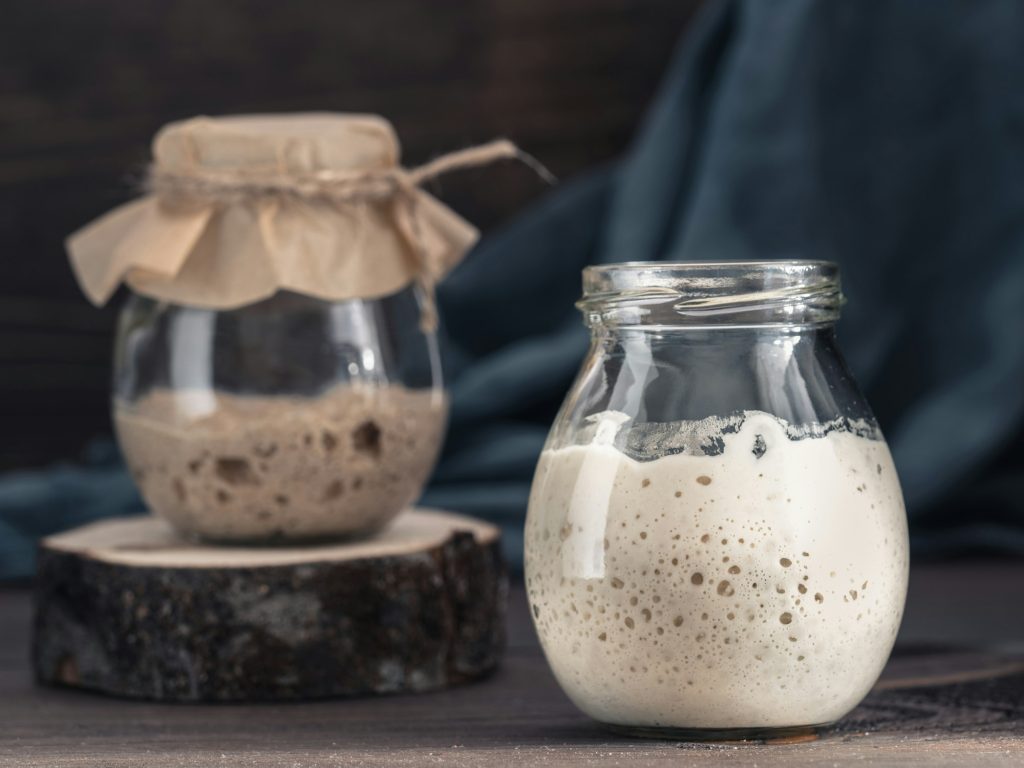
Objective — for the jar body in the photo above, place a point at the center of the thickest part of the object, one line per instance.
(716, 542)
(293, 418)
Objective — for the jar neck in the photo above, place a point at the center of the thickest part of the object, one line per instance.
(661, 297)
(604, 334)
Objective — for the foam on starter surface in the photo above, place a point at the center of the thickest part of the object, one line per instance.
(758, 585)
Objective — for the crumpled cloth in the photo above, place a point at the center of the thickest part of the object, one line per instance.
(888, 137)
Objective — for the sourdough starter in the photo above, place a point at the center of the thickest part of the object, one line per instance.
(758, 585)
(258, 467)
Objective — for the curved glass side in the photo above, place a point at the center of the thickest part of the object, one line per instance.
(654, 380)
(293, 418)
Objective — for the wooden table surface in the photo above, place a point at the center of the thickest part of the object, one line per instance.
(952, 695)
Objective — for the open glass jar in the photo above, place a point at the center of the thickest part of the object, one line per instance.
(290, 418)
(716, 543)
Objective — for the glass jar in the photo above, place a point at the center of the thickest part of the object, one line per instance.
(716, 543)
(291, 418)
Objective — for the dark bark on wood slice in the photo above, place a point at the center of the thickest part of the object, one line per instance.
(128, 608)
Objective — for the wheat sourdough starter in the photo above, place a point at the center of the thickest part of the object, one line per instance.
(257, 467)
(760, 586)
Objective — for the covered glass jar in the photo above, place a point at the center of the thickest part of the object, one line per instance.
(716, 543)
(277, 374)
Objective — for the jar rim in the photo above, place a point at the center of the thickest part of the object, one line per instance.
(778, 292)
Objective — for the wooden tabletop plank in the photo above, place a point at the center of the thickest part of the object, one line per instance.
(974, 716)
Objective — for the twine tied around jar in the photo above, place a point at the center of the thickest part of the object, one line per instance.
(393, 184)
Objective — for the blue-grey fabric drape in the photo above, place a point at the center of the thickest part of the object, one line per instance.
(886, 136)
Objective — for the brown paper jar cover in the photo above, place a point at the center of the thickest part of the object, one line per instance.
(245, 206)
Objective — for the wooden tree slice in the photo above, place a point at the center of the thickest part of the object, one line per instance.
(127, 607)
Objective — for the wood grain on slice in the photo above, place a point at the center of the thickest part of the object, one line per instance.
(127, 607)
(149, 542)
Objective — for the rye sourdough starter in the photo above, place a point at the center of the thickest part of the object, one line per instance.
(258, 467)
(760, 584)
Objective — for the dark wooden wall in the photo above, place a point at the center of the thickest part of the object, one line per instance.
(83, 86)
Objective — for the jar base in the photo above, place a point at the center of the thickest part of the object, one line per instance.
(793, 733)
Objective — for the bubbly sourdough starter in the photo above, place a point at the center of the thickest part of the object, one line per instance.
(762, 586)
(258, 467)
